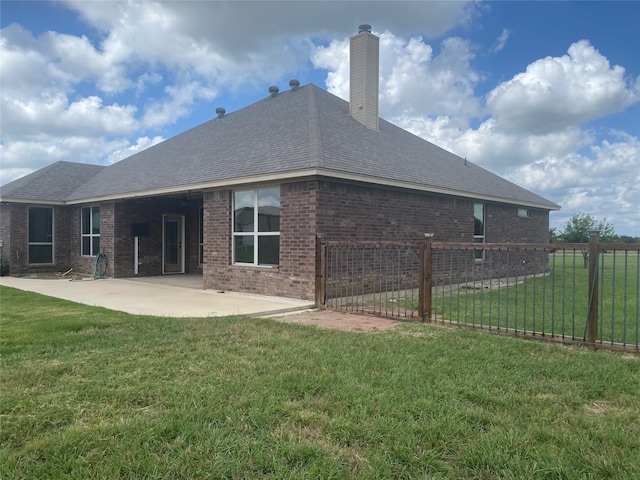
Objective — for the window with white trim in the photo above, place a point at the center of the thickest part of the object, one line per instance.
(479, 228)
(40, 235)
(90, 231)
(524, 212)
(256, 227)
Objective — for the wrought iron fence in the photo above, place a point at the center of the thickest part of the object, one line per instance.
(375, 278)
(585, 293)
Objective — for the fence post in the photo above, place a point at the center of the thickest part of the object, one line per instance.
(321, 268)
(426, 279)
(592, 325)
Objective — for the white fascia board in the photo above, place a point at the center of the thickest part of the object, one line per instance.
(31, 201)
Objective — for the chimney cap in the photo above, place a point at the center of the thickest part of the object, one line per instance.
(294, 84)
(220, 111)
(273, 90)
(364, 28)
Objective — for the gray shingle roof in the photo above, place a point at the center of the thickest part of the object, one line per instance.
(295, 131)
(53, 183)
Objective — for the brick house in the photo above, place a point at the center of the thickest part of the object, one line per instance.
(241, 198)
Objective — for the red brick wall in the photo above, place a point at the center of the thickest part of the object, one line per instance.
(503, 225)
(84, 264)
(14, 229)
(116, 239)
(62, 237)
(5, 233)
(150, 211)
(13, 234)
(143, 211)
(294, 276)
(346, 212)
(354, 212)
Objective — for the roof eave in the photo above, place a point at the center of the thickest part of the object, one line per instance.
(310, 173)
(31, 201)
(444, 191)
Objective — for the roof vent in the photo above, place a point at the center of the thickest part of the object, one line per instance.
(364, 28)
(294, 84)
(220, 111)
(273, 90)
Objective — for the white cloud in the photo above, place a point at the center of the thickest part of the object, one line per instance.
(504, 152)
(236, 28)
(34, 155)
(147, 79)
(25, 70)
(604, 183)
(413, 81)
(128, 150)
(557, 92)
(182, 97)
(501, 40)
(335, 58)
(53, 115)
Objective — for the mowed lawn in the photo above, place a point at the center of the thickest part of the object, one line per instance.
(91, 393)
(556, 303)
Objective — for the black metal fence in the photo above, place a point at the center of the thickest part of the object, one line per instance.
(585, 293)
(375, 278)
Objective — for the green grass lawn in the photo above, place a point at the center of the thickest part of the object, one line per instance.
(556, 303)
(91, 393)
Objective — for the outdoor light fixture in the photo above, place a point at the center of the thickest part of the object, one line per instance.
(428, 235)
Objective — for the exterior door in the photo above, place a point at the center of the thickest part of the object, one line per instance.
(172, 244)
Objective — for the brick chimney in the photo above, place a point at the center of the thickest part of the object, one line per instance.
(363, 78)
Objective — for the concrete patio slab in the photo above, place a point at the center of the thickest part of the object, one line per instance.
(156, 297)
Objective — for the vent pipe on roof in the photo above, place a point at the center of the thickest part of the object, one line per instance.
(363, 77)
(294, 84)
(220, 111)
(273, 90)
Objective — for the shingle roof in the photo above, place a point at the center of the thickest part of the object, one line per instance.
(53, 183)
(304, 130)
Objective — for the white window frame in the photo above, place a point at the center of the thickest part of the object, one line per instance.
(89, 235)
(53, 236)
(256, 234)
(524, 212)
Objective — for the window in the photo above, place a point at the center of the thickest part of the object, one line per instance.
(256, 226)
(90, 231)
(40, 235)
(524, 212)
(201, 236)
(478, 228)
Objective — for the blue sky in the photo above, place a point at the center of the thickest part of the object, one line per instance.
(546, 94)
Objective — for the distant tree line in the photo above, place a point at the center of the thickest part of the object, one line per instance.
(577, 228)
